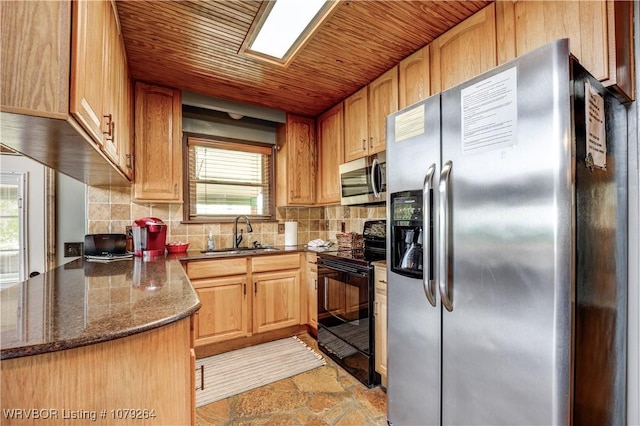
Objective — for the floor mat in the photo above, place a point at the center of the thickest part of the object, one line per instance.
(238, 371)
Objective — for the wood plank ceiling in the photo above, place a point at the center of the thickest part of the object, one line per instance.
(195, 46)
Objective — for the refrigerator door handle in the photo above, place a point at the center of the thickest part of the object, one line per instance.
(444, 249)
(427, 282)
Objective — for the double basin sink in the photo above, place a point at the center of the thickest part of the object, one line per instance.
(239, 250)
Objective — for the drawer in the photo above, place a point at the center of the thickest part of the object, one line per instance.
(216, 268)
(275, 262)
(380, 280)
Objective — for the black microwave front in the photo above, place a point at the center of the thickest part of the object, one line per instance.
(364, 181)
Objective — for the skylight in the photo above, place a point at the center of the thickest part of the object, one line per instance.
(283, 26)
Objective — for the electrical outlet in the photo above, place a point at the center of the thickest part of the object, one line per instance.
(73, 249)
(281, 228)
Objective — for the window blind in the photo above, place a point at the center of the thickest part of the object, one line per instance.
(229, 179)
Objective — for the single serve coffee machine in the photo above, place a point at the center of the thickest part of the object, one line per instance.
(149, 237)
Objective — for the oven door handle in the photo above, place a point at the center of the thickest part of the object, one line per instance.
(342, 268)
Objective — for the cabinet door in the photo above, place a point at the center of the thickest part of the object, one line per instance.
(330, 155)
(276, 301)
(413, 78)
(380, 313)
(88, 65)
(464, 51)
(312, 286)
(356, 127)
(224, 313)
(301, 160)
(295, 162)
(381, 336)
(113, 88)
(124, 128)
(158, 144)
(35, 45)
(383, 100)
(599, 34)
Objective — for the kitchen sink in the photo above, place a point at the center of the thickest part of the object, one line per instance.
(238, 250)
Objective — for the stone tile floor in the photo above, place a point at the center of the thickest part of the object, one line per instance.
(326, 395)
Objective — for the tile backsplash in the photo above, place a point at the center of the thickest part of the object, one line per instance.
(111, 210)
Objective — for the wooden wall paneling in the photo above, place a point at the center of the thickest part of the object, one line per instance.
(194, 46)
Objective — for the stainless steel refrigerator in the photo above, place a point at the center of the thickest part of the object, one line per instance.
(506, 257)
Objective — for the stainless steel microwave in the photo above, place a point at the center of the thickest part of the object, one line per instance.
(364, 181)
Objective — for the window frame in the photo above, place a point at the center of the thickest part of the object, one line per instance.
(21, 181)
(246, 146)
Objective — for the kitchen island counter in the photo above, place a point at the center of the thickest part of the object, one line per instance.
(84, 303)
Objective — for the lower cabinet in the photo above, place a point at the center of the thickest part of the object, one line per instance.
(380, 313)
(149, 374)
(243, 296)
(276, 300)
(312, 290)
(225, 309)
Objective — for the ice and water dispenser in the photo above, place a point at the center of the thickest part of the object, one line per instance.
(407, 236)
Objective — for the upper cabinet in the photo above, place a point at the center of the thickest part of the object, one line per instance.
(158, 144)
(383, 100)
(99, 80)
(599, 32)
(330, 128)
(464, 51)
(295, 162)
(413, 78)
(58, 86)
(89, 82)
(356, 122)
(365, 116)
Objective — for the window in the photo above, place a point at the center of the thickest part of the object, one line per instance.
(12, 228)
(227, 179)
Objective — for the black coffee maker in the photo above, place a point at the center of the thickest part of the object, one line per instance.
(407, 233)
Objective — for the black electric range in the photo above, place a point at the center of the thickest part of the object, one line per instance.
(345, 304)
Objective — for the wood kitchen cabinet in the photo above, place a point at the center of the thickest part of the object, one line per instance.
(383, 100)
(276, 292)
(89, 82)
(296, 162)
(158, 144)
(99, 75)
(246, 296)
(380, 315)
(600, 35)
(330, 129)
(413, 78)
(312, 290)
(356, 125)
(365, 116)
(221, 285)
(464, 51)
(54, 93)
(118, 111)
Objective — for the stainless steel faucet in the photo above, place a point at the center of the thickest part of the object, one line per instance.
(238, 239)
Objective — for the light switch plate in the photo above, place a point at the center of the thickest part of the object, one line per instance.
(73, 249)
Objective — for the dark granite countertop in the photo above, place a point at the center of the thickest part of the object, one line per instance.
(83, 303)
